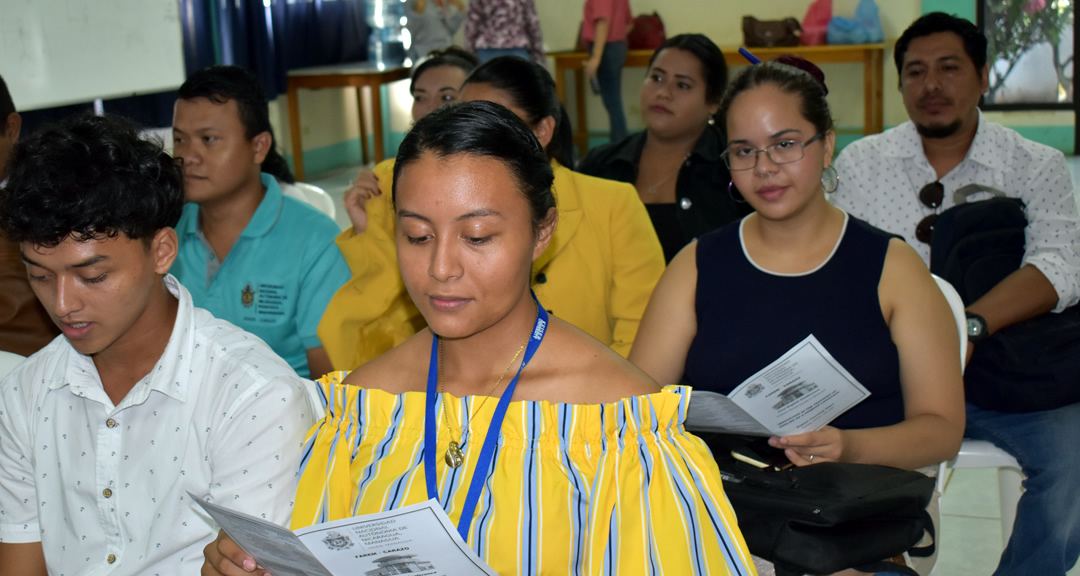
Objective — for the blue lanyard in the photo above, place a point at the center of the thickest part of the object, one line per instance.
(487, 452)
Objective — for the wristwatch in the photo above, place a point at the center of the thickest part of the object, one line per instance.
(976, 328)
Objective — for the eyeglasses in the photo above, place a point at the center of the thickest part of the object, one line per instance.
(783, 152)
(931, 196)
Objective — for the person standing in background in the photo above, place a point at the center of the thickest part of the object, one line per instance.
(25, 327)
(604, 31)
(432, 24)
(504, 28)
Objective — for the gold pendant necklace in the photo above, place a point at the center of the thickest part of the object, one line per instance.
(454, 456)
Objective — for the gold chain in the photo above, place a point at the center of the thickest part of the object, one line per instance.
(652, 189)
(453, 453)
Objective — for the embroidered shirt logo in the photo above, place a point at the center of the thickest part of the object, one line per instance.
(337, 541)
(247, 296)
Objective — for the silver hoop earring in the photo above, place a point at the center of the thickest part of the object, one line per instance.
(826, 180)
(734, 193)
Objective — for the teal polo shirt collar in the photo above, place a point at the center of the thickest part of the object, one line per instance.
(269, 211)
(262, 222)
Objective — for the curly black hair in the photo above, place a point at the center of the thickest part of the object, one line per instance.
(89, 177)
(219, 84)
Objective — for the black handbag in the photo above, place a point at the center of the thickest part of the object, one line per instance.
(1027, 367)
(826, 517)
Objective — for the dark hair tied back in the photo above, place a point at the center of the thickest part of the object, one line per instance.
(532, 89)
(806, 66)
(90, 177)
(713, 64)
(484, 129)
(451, 56)
(789, 79)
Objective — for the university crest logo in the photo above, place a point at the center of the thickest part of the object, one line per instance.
(247, 296)
(337, 541)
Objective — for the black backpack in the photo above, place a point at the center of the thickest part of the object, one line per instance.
(1027, 367)
(826, 517)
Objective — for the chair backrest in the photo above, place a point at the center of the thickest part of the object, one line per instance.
(8, 361)
(311, 194)
(959, 314)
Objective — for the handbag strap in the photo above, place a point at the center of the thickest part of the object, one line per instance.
(928, 550)
(918, 552)
(887, 565)
(962, 193)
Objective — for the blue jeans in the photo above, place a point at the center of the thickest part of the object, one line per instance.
(485, 54)
(609, 75)
(1046, 536)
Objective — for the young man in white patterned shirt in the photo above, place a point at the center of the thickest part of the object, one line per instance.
(144, 397)
(943, 72)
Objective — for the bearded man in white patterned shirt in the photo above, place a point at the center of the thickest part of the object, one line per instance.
(943, 72)
(143, 397)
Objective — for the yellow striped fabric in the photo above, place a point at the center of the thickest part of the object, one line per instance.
(618, 488)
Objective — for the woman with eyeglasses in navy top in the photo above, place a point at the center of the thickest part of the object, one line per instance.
(740, 297)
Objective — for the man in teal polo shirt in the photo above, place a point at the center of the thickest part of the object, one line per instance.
(248, 254)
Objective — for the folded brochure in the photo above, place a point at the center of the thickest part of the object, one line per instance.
(419, 540)
(801, 391)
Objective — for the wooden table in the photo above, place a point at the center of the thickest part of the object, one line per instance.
(360, 75)
(871, 55)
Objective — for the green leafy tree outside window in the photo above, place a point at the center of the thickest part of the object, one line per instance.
(1015, 26)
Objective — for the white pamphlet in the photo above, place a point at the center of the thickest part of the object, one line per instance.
(419, 540)
(802, 391)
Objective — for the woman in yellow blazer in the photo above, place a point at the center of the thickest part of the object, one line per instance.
(597, 273)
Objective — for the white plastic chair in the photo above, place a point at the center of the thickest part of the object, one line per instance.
(979, 453)
(8, 362)
(312, 195)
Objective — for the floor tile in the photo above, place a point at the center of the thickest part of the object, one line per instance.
(972, 492)
(969, 546)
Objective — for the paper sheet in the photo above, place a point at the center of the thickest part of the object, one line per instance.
(418, 540)
(801, 391)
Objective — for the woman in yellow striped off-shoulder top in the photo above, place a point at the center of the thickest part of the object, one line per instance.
(551, 453)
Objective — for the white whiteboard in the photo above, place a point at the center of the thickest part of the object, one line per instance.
(57, 52)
